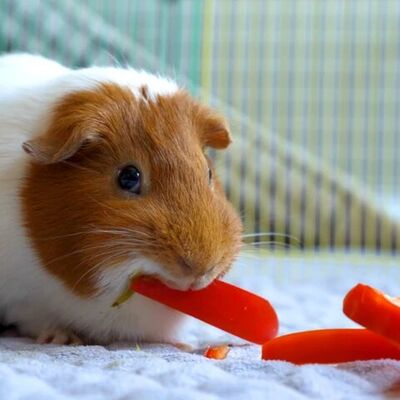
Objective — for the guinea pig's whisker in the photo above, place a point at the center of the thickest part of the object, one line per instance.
(69, 163)
(89, 231)
(131, 231)
(266, 243)
(272, 242)
(64, 256)
(109, 231)
(123, 242)
(80, 250)
(122, 231)
(111, 257)
(283, 235)
(90, 272)
(63, 236)
(122, 237)
(105, 258)
(138, 242)
(129, 243)
(134, 232)
(100, 264)
(92, 231)
(116, 247)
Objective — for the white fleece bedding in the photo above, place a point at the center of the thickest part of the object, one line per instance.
(307, 293)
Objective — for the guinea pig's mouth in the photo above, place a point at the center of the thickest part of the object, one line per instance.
(184, 284)
(119, 279)
(191, 283)
(180, 282)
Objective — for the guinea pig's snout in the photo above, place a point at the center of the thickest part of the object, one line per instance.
(195, 276)
(200, 249)
(185, 265)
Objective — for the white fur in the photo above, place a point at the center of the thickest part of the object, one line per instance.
(30, 296)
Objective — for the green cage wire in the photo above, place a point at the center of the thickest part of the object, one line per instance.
(310, 89)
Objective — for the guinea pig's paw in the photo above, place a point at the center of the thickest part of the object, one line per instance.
(58, 336)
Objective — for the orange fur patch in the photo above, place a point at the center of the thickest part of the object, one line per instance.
(71, 201)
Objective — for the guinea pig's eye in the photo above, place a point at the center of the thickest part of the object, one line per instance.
(129, 179)
(209, 176)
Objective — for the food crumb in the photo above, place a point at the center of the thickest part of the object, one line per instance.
(217, 352)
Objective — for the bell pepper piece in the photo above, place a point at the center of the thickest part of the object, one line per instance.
(217, 352)
(374, 310)
(330, 346)
(220, 304)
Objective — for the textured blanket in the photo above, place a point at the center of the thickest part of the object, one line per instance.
(307, 294)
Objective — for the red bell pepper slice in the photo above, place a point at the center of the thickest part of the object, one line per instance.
(374, 310)
(220, 304)
(330, 346)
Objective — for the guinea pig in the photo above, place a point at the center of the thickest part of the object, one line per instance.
(103, 175)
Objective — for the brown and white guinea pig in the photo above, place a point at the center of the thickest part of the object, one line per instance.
(103, 175)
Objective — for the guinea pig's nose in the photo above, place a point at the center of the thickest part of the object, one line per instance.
(185, 265)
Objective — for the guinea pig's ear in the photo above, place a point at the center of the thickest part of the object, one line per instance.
(214, 131)
(74, 124)
(56, 146)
